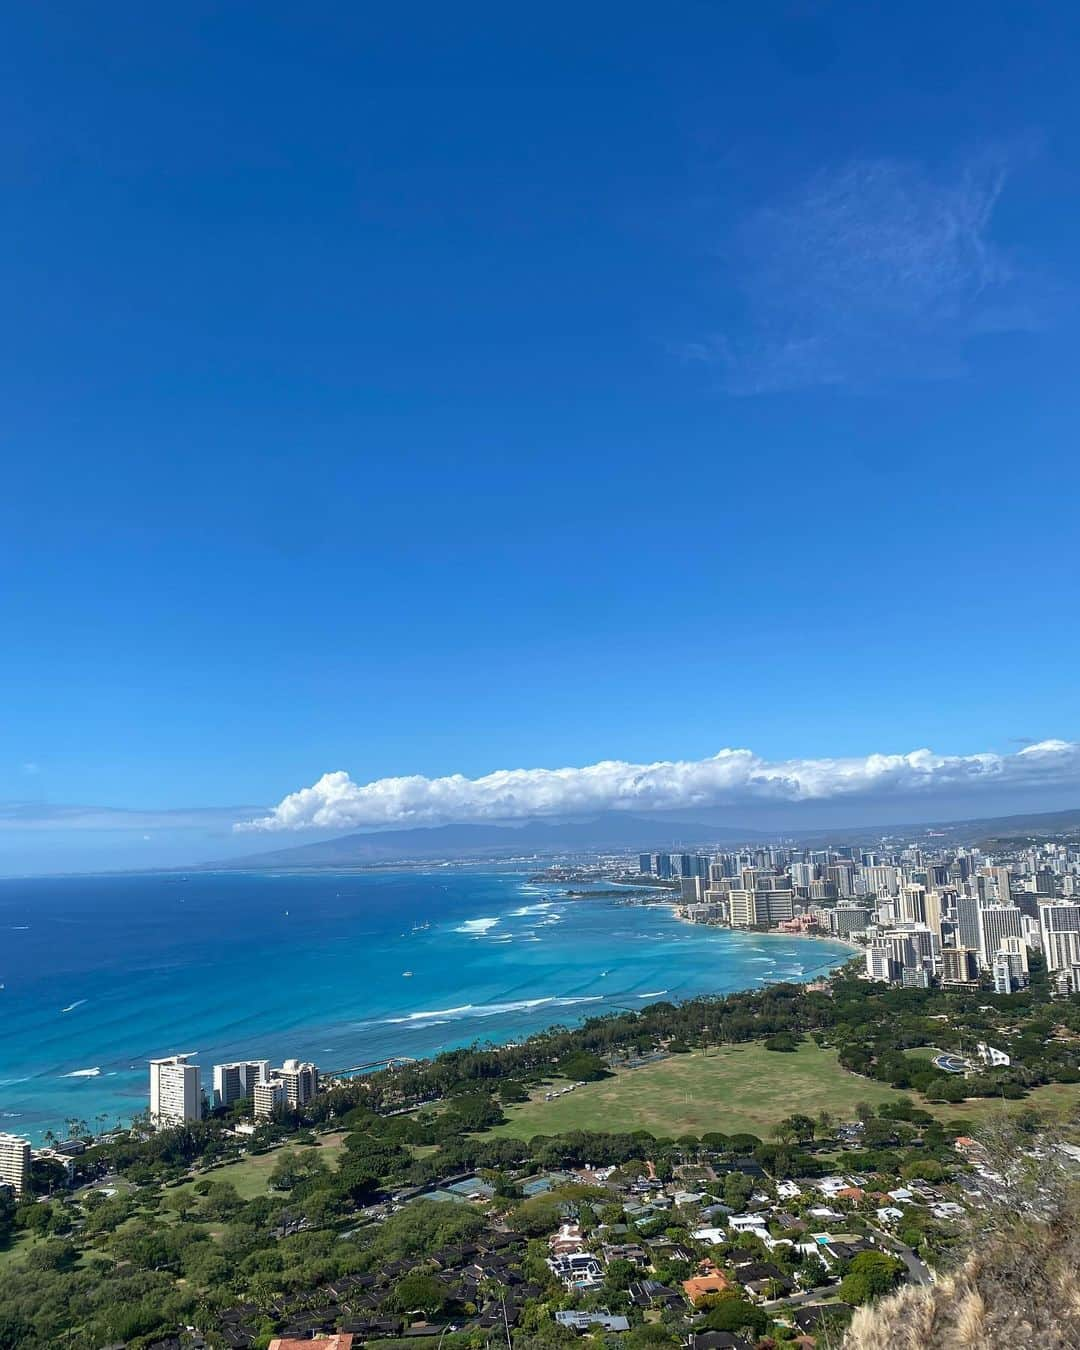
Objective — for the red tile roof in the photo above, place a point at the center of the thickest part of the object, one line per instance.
(341, 1341)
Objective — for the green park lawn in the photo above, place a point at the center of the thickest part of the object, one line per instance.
(735, 1089)
(250, 1175)
(17, 1248)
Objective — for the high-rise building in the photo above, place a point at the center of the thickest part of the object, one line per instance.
(1003, 885)
(1010, 967)
(236, 1082)
(847, 919)
(932, 913)
(881, 879)
(959, 965)
(842, 875)
(298, 1081)
(14, 1163)
(760, 905)
(925, 943)
(645, 864)
(268, 1097)
(1045, 882)
(995, 923)
(175, 1094)
(880, 964)
(900, 947)
(913, 903)
(1059, 925)
(967, 921)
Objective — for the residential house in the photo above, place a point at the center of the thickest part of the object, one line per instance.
(585, 1321)
(699, 1286)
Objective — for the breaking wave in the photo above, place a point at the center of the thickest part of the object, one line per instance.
(494, 1009)
(476, 927)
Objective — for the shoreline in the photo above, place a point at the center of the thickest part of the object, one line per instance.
(767, 932)
(694, 974)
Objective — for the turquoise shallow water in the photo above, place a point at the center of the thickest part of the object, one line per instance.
(102, 973)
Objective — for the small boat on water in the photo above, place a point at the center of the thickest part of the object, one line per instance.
(406, 974)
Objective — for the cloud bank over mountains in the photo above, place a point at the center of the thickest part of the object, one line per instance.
(728, 778)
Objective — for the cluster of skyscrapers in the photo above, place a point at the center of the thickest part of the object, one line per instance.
(176, 1090)
(923, 916)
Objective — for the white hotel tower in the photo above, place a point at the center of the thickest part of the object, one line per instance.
(14, 1163)
(175, 1094)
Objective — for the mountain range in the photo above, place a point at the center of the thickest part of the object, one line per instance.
(618, 831)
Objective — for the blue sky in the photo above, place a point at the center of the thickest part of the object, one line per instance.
(475, 389)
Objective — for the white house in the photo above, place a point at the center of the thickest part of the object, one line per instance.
(746, 1223)
(996, 1059)
(577, 1270)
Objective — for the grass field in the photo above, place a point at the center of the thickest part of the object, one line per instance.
(17, 1248)
(249, 1175)
(732, 1090)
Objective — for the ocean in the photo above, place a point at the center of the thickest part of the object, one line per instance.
(101, 973)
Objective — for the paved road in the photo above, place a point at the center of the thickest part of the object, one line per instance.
(918, 1271)
(811, 1296)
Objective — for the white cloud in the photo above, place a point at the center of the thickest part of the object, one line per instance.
(731, 777)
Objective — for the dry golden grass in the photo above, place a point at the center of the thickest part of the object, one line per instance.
(1020, 1290)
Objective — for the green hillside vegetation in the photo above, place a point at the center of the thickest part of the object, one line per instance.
(205, 1227)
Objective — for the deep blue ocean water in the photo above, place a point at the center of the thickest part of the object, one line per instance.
(102, 973)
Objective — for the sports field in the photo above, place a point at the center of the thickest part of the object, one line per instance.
(739, 1088)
